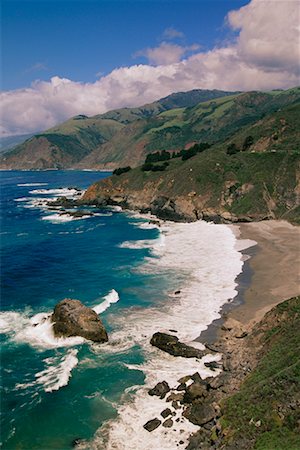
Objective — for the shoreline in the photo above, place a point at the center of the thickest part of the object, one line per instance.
(269, 276)
(275, 267)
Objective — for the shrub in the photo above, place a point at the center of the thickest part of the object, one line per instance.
(248, 142)
(158, 156)
(121, 170)
(232, 149)
(147, 167)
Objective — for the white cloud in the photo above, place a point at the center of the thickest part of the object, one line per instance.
(39, 66)
(264, 55)
(172, 33)
(269, 33)
(166, 53)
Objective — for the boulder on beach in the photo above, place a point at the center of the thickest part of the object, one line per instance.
(72, 318)
(152, 424)
(171, 344)
(161, 389)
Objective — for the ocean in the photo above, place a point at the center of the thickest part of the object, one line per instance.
(56, 392)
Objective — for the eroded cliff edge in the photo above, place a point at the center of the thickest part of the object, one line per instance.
(210, 186)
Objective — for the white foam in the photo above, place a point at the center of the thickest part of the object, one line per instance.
(36, 331)
(205, 255)
(32, 184)
(112, 297)
(155, 244)
(115, 208)
(144, 225)
(61, 192)
(136, 245)
(61, 218)
(22, 199)
(56, 374)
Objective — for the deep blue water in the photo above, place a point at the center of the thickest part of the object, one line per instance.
(42, 263)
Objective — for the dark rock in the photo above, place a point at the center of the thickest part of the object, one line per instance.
(72, 318)
(175, 405)
(175, 397)
(227, 364)
(181, 387)
(199, 440)
(168, 423)
(181, 442)
(173, 331)
(241, 335)
(212, 348)
(166, 412)
(195, 390)
(196, 377)
(64, 202)
(161, 389)
(171, 345)
(177, 292)
(184, 379)
(77, 441)
(213, 365)
(152, 424)
(77, 214)
(200, 413)
(217, 382)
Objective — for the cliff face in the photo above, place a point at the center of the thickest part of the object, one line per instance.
(210, 186)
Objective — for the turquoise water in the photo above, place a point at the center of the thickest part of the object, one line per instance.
(54, 395)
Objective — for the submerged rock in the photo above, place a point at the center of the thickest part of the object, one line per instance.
(72, 318)
(171, 344)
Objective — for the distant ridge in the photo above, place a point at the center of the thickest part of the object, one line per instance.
(125, 136)
(66, 145)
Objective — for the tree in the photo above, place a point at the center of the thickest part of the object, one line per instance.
(232, 149)
(247, 142)
(121, 170)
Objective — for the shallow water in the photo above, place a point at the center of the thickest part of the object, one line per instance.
(127, 270)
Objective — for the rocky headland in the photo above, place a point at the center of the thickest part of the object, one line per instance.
(255, 395)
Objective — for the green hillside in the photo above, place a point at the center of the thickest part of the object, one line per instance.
(66, 145)
(270, 396)
(257, 182)
(212, 121)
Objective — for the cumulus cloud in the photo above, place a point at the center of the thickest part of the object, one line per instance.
(269, 35)
(166, 53)
(263, 56)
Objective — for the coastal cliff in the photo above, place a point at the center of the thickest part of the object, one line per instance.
(211, 186)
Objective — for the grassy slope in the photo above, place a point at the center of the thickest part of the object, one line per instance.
(255, 182)
(69, 143)
(213, 121)
(125, 136)
(271, 393)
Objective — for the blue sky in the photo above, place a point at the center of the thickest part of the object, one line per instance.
(69, 57)
(80, 39)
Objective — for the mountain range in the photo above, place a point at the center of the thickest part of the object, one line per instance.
(125, 136)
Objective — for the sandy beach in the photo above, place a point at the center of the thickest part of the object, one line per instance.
(275, 268)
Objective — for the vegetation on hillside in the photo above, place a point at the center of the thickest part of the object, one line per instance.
(265, 413)
(126, 136)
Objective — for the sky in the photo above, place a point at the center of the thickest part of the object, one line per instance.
(66, 57)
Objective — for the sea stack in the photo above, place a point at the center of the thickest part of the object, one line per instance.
(72, 318)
